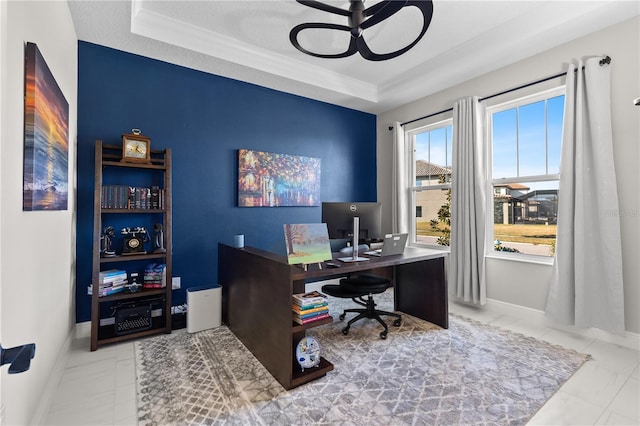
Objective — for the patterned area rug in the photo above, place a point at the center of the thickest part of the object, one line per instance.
(471, 374)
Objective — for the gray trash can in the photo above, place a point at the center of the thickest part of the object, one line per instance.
(204, 308)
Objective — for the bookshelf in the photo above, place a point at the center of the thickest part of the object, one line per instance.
(148, 306)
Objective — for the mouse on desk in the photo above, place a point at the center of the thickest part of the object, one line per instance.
(332, 265)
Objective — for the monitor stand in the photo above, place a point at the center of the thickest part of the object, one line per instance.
(356, 235)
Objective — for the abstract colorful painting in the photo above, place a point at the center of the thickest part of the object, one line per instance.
(307, 243)
(46, 137)
(266, 179)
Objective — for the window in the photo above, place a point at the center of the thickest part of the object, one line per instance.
(525, 138)
(431, 195)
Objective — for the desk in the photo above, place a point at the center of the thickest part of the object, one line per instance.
(257, 288)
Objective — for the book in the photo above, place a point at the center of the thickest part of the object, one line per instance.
(111, 280)
(312, 314)
(310, 298)
(131, 201)
(112, 272)
(110, 290)
(311, 308)
(113, 283)
(155, 197)
(111, 276)
(310, 305)
(106, 291)
(115, 197)
(151, 285)
(154, 276)
(303, 321)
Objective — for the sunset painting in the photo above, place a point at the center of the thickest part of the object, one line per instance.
(46, 137)
(266, 179)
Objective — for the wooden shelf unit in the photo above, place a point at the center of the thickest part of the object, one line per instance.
(108, 156)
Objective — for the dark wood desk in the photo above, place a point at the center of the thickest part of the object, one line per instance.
(257, 287)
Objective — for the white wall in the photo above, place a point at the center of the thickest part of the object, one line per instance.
(37, 249)
(527, 284)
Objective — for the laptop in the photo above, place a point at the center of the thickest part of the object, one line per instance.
(392, 244)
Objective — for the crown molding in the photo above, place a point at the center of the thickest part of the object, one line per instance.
(159, 27)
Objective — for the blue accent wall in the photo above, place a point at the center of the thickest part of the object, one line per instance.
(205, 119)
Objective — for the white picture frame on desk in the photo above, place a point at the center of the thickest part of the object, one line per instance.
(307, 243)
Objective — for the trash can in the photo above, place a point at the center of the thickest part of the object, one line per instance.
(204, 308)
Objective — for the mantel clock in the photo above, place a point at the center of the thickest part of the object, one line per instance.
(136, 148)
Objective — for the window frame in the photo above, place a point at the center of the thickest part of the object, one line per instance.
(410, 132)
(491, 108)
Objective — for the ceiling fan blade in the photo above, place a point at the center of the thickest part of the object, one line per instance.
(365, 52)
(293, 37)
(381, 11)
(426, 7)
(324, 7)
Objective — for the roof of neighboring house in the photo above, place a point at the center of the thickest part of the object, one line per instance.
(538, 192)
(513, 186)
(424, 168)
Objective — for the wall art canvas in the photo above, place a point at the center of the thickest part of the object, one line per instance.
(46, 137)
(266, 179)
(307, 243)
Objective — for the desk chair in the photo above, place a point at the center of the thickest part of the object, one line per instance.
(356, 287)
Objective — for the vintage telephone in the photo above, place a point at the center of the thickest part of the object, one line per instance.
(134, 239)
(158, 239)
(105, 242)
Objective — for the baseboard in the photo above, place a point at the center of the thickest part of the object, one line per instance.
(537, 317)
(51, 387)
(83, 329)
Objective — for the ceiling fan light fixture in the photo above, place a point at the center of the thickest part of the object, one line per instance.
(359, 19)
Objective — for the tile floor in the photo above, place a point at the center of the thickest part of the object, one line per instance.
(98, 388)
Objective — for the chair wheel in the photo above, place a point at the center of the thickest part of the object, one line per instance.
(383, 335)
(397, 322)
(341, 317)
(345, 331)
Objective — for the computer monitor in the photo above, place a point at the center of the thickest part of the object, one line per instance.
(339, 219)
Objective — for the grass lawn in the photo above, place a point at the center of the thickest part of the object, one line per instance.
(532, 234)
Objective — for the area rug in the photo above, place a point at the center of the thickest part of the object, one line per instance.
(469, 374)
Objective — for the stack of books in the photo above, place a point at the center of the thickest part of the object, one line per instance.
(110, 282)
(132, 197)
(154, 276)
(310, 307)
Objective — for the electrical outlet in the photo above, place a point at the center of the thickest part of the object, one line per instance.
(175, 283)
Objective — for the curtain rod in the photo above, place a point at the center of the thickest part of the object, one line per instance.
(603, 61)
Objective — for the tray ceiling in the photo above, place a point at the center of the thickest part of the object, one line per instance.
(249, 41)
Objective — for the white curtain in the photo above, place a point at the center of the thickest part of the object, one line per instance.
(468, 201)
(400, 213)
(586, 286)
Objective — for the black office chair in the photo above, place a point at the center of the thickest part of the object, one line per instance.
(356, 287)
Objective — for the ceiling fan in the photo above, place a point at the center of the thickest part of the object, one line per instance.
(359, 19)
